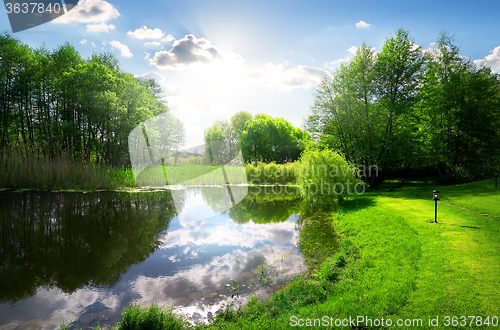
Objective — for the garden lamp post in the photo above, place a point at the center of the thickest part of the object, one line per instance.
(496, 177)
(435, 197)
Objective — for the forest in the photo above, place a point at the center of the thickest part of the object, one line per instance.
(413, 112)
(55, 103)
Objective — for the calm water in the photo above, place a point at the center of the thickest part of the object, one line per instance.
(82, 257)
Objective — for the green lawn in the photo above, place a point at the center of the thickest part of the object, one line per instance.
(400, 265)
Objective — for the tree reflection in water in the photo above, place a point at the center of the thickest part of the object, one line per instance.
(318, 238)
(68, 240)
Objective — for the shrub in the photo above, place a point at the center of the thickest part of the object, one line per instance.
(272, 173)
(325, 177)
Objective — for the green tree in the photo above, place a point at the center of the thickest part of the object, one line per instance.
(366, 110)
(272, 139)
(55, 103)
(460, 113)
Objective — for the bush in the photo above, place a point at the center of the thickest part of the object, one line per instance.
(272, 173)
(325, 177)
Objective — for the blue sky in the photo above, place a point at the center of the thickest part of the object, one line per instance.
(215, 58)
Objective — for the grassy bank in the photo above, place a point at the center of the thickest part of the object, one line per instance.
(61, 174)
(397, 265)
(198, 174)
(64, 174)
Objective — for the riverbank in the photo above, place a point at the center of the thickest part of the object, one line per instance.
(396, 266)
(63, 174)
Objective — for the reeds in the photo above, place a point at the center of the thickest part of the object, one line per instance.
(31, 172)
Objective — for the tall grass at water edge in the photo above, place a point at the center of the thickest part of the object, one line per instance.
(61, 173)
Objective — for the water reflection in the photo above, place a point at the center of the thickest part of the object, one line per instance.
(85, 256)
(318, 238)
(68, 240)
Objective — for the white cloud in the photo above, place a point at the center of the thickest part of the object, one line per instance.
(190, 52)
(168, 38)
(101, 27)
(492, 60)
(145, 33)
(362, 24)
(83, 42)
(146, 57)
(299, 77)
(125, 51)
(352, 50)
(152, 43)
(89, 11)
(93, 44)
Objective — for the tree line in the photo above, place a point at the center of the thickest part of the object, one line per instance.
(411, 111)
(55, 103)
(260, 138)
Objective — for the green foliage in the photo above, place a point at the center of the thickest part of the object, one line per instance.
(272, 139)
(195, 160)
(265, 173)
(60, 173)
(227, 134)
(325, 177)
(404, 109)
(459, 114)
(154, 317)
(55, 103)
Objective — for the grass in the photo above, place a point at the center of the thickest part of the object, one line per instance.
(153, 317)
(198, 174)
(61, 174)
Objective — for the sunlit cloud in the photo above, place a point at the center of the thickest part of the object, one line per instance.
(144, 33)
(152, 43)
(299, 77)
(190, 52)
(124, 50)
(101, 27)
(89, 11)
(492, 60)
(168, 38)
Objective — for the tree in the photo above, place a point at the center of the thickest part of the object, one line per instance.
(55, 103)
(365, 110)
(404, 110)
(460, 113)
(272, 139)
(398, 69)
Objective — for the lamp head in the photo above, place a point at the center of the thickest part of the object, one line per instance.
(435, 195)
